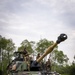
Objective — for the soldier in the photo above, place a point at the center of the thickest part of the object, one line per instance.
(48, 65)
(38, 56)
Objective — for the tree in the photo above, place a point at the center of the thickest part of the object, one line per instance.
(7, 48)
(60, 57)
(3, 42)
(10, 49)
(28, 45)
(42, 45)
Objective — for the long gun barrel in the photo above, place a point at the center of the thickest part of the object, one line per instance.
(61, 38)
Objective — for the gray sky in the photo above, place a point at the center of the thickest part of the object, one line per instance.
(36, 19)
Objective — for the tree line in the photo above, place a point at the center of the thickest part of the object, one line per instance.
(59, 61)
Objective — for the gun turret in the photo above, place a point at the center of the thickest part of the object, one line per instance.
(35, 64)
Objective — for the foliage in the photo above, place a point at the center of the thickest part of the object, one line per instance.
(28, 45)
(3, 42)
(59, 57)
(7, 48)
(72, 69)
(65, 70)
(42, 45)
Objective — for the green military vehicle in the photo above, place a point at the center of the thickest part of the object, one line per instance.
(21, 65)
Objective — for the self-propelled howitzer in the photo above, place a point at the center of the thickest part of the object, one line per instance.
(35, 65)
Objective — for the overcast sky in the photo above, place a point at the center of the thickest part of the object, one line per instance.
(36, 19)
